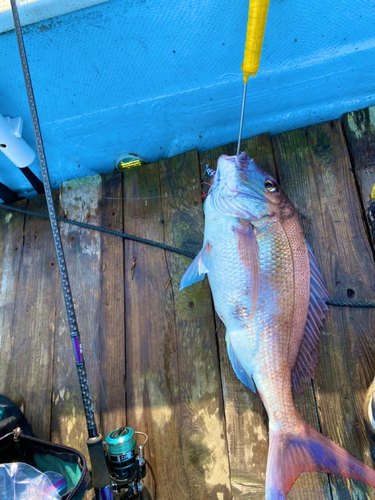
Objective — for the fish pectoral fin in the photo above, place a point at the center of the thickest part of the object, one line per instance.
(197, 270)
(249, 255)
(242, 375)
(308, 357)
(307, 450)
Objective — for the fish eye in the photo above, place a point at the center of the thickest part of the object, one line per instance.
(270, 186)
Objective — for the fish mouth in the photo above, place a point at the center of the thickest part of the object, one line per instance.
(243, 159)
(242, 162)
(242, 156)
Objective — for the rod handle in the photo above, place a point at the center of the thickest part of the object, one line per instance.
(101, 479)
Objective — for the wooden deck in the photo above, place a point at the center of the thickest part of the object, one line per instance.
(156, 357)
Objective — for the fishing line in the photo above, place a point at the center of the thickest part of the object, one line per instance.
(84, 225)
(137, 198)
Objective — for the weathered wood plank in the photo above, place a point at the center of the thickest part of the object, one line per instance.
(112, 313)
(172, 372)
(173, 382)
(150, 346)
(79, 200)
(34, 320)
(316, 173)
(245, 416)
(359, 127)
(202, 431)
(11, 250)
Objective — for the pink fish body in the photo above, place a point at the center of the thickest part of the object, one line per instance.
(268, 291)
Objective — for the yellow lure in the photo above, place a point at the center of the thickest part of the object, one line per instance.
(256, 26)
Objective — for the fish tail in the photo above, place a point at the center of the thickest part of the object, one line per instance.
(307, 450)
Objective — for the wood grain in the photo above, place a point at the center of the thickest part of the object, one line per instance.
(112, 308)
(34, 321)
(203, 442)
(245, 415)
(208, 433)
(359, 127)
(172, 377)
(11, 250)
(80, 201)
(150, 346)
(316, 173)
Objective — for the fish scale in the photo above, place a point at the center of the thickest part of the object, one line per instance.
(265, 361)
(269, 292)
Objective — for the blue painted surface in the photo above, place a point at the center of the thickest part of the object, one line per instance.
(157, 78)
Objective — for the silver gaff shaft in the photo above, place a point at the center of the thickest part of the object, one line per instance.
(241, 118)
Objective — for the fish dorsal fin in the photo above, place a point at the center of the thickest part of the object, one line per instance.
(198, 268)
(237, 367)
(308, 357)
(249, 255)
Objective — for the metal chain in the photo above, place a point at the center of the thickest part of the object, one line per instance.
(86, 397)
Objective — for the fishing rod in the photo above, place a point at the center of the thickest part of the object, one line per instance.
(117, 473)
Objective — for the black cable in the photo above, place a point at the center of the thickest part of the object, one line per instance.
(101, 230)
(339, 303)
(345, 303)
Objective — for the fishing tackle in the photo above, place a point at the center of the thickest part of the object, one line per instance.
(126, 465)
(210, 172)
(118, 473)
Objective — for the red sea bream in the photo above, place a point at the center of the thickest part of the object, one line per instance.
(269, 292)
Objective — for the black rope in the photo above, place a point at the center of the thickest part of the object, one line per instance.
(338, 303)
(345, 303)
(101, 230)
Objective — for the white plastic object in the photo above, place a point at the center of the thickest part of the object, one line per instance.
(12, 144)
(19, 481)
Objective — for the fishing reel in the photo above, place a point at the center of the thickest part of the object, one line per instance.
(126, 463)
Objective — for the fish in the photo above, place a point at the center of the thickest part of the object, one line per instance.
(269, 292)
